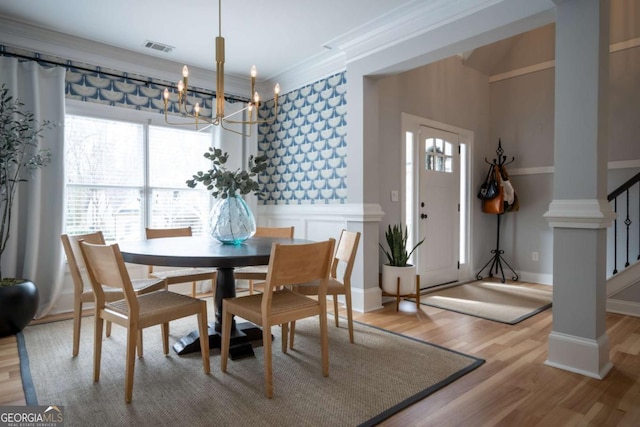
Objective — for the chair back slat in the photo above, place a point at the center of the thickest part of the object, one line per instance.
(106, 267)
(74, 256)
(346, 254)
(299, 263)
(155, 233)
(285, 232)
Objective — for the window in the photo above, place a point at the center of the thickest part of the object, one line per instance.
(464, 214)
(439, 155)
(410, 194)
(122, 176)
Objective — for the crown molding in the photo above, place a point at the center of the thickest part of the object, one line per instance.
(414, 20)
(390, 27)
(306, 72)
(400, 24)
(403, 23)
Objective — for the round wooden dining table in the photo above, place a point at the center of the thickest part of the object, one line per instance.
(203, 251)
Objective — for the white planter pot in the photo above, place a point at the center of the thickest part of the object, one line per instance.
(407, 277)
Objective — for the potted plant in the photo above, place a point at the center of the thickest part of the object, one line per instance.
(398, 256)
(231, 220)
(19, 157)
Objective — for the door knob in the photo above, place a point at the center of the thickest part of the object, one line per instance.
(423, 216)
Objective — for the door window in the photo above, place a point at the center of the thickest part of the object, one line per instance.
(439, 155)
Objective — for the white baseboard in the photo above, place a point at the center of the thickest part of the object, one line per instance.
(630, 276)
(543, 279)
(365, 300)
(580, 355)
(627, 308)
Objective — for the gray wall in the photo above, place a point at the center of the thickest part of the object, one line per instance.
(447, 92)
(520, 111)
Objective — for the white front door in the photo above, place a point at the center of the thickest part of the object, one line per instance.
(438, 206)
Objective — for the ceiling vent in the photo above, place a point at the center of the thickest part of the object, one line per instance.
(158, 46)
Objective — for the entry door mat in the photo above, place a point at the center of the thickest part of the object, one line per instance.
(504, 303)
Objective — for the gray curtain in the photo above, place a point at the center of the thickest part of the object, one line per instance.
(34, 250)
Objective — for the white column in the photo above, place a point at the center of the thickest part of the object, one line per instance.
(580, 213)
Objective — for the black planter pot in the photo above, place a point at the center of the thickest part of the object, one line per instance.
(18, 305)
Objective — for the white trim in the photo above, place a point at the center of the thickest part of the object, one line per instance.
(620, 164)
(466, 137)
(413, 119)
(628, 308)
(305, 73)
(624, 279)
(318, 221)
(617, 47)
(627, 44)
(580, 355)
(624, 164)
(531, 171)
(586, 213)
(94, 109)
(539, 278)
(366, 300)
(403, 23)
(368, 212)
(522, 71)
(131, 115)
(362, 41)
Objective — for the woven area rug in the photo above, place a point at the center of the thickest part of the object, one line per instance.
(379, 375)
(499, 302)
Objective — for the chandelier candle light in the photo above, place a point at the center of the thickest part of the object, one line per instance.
(219, 119)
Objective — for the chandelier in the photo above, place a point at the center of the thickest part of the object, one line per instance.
(193, 111)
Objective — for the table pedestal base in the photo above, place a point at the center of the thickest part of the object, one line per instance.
(241, 338)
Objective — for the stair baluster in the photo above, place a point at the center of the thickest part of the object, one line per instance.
(613, 196)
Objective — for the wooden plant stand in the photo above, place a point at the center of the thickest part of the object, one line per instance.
(398, 296)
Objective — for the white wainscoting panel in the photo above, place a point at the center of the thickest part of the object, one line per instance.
(322, 221)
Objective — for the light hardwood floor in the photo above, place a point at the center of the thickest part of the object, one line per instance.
(513, 387)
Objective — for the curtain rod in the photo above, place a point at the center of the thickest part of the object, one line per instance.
(122, 76)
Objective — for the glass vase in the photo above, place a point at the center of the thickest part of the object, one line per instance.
(231, 221)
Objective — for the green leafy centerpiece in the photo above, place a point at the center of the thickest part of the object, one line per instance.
(231, 221)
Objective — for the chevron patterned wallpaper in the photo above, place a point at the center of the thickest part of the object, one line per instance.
(306, 145)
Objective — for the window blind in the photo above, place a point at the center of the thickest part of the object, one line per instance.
(121, 177)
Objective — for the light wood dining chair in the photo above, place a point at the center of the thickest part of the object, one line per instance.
(106, 269)
(84, 293)
(339, 281)
(277, 305)
(259, 272)
(182, 275)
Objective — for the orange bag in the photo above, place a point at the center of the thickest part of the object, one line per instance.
(495, 205)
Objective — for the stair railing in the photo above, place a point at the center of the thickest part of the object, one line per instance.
(615, 195)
